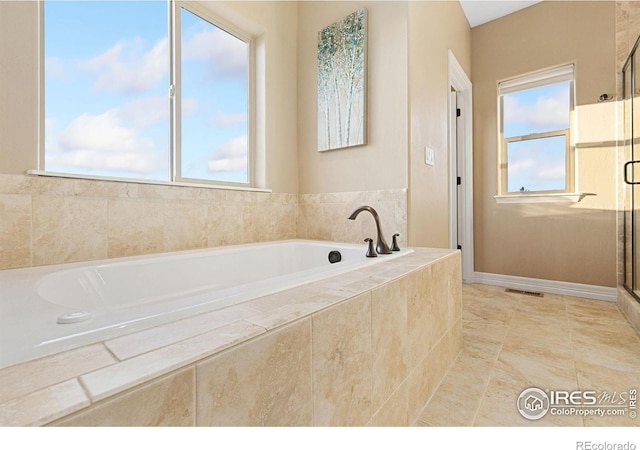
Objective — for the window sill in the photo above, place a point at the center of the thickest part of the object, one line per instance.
(43, 173)
(572, 197)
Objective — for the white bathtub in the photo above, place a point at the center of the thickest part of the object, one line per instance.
(108, 298)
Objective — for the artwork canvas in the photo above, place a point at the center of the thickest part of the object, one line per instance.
(342, 83)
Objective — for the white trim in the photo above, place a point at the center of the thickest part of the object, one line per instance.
(41, 74)
(609, 294)
(219, 22)
(255, 181)
(540, 198)
(459, 81)
(78, 176)
(453, 170)
(537, 79)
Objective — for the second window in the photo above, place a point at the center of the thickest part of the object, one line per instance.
(535, 127)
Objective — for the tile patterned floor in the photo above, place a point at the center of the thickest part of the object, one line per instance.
(513, 341)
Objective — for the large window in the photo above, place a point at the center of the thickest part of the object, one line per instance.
(128, 96)
(535, 126)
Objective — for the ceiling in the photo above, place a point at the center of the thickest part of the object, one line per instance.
(481, 11)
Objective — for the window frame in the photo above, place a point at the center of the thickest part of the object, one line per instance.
(174, 150)
(542, 78)
(175, 84)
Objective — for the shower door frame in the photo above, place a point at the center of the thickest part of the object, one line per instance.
(630, 215)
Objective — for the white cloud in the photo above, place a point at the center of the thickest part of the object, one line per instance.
(140, 163)
(554, 172)
(116, 140)
(144, 112)
(126, 69)
(547, 112)
(50, 143)
(54, 68)
(103, 132)
(227, 121)
(519, 167)
(230, 156)
(189, 106)
(226, 54)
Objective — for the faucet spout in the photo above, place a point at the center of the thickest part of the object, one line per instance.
(382, 247)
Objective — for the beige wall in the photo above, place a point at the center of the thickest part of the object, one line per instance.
(564, 242)
(434, 28)
(18, 87)
(382, 162)
(408, 75)
(269, 20)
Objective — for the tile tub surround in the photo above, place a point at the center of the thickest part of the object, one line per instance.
(367, 347)
(49, 220)
(325, 216)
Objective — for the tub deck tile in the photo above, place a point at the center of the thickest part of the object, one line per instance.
(44, 406)
(22, 379)
(347, 284)
(136, 344)
(126, 374)
(284, 307)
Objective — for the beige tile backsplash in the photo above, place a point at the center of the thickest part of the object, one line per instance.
(325, 216)
(47, 220)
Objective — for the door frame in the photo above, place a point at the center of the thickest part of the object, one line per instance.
(461, 155)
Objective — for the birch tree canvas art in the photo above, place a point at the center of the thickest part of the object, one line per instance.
(341, 83)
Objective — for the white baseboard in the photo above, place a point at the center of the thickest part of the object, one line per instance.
(608, 294)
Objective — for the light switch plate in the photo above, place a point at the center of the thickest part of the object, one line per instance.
(429, 158)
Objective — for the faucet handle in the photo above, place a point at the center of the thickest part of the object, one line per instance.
(371, 252)
(394, 244)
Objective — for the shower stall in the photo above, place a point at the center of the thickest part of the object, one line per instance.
(631, 172)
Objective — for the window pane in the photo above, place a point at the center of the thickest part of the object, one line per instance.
(536, 110)
(537, 164)
(214, 89)
(106, 79)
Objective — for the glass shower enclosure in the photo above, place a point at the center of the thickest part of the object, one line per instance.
(631, 171)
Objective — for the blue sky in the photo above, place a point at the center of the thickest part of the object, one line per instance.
(106, 85)
(537, 164)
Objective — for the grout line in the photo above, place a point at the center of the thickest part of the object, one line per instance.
(87, 393)
(313, 377)
(31, 231)
(573, 353)
(444, 376)
(195, 395)
(491, 371)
